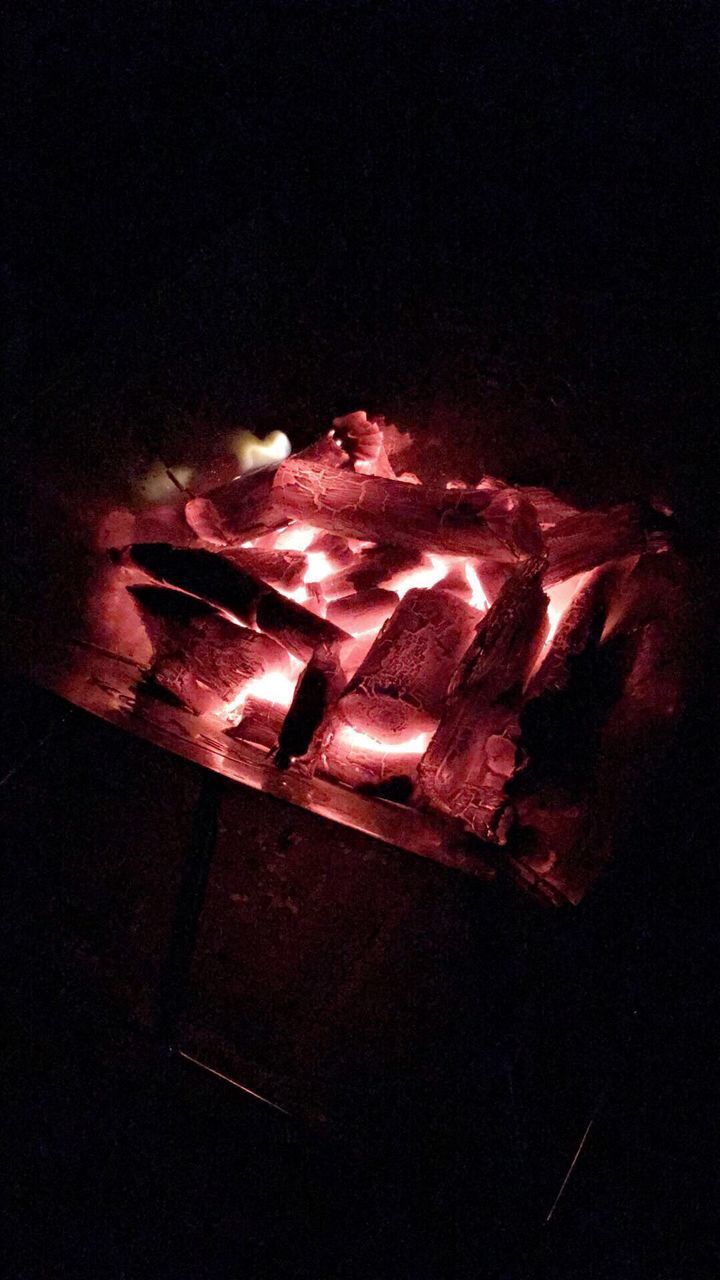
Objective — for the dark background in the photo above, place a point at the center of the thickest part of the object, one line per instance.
(492, 215)
(491, 222)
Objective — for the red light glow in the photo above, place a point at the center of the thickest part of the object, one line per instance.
(355, 741)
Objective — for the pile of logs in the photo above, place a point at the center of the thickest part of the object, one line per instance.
(325, 607)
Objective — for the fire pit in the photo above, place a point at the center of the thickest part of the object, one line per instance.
(477, 673)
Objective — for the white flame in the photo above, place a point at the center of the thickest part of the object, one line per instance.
(252, 453)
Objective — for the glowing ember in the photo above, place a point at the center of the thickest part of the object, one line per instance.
(339, 533)
(297, 537)
(427, 575)
(274, 687)
(560, 597)
(319, 566)
(356, 741)
(478, 599)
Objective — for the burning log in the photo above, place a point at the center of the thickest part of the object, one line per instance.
(656, 587)
(581, 625)
(200, 657)
(242, 596)
(400, 686)
(590, 539)
(502, 526)
(318, 688)
(473, 752)
(234, 511)
(364, 612)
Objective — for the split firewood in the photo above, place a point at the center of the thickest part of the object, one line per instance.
(242, 596)
(580, 625)
(473, 751)
(317, 690)
(399, 688)
(592, 538)
(502, 526)
(657, 586)
(551, 510)
(198, 656)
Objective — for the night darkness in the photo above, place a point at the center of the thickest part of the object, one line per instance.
(492, 221)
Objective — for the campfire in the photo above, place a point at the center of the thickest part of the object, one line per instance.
(482, 661)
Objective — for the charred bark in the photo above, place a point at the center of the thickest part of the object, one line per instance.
(317, 689)
(590, 539)
(502, 526)
(400, 686)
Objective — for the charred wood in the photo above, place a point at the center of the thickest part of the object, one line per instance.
(234, 511)
(591, 538)
(502, 525)
(472, 755)
(565, 834)
(369, 568)
(400, 686)
(198, 656)
(363, 612)
(362, 438)
(317, 690)
(260, 722)
(241, 595)
(279, 568)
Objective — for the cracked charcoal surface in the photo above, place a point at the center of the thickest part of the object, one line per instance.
(401, 684)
